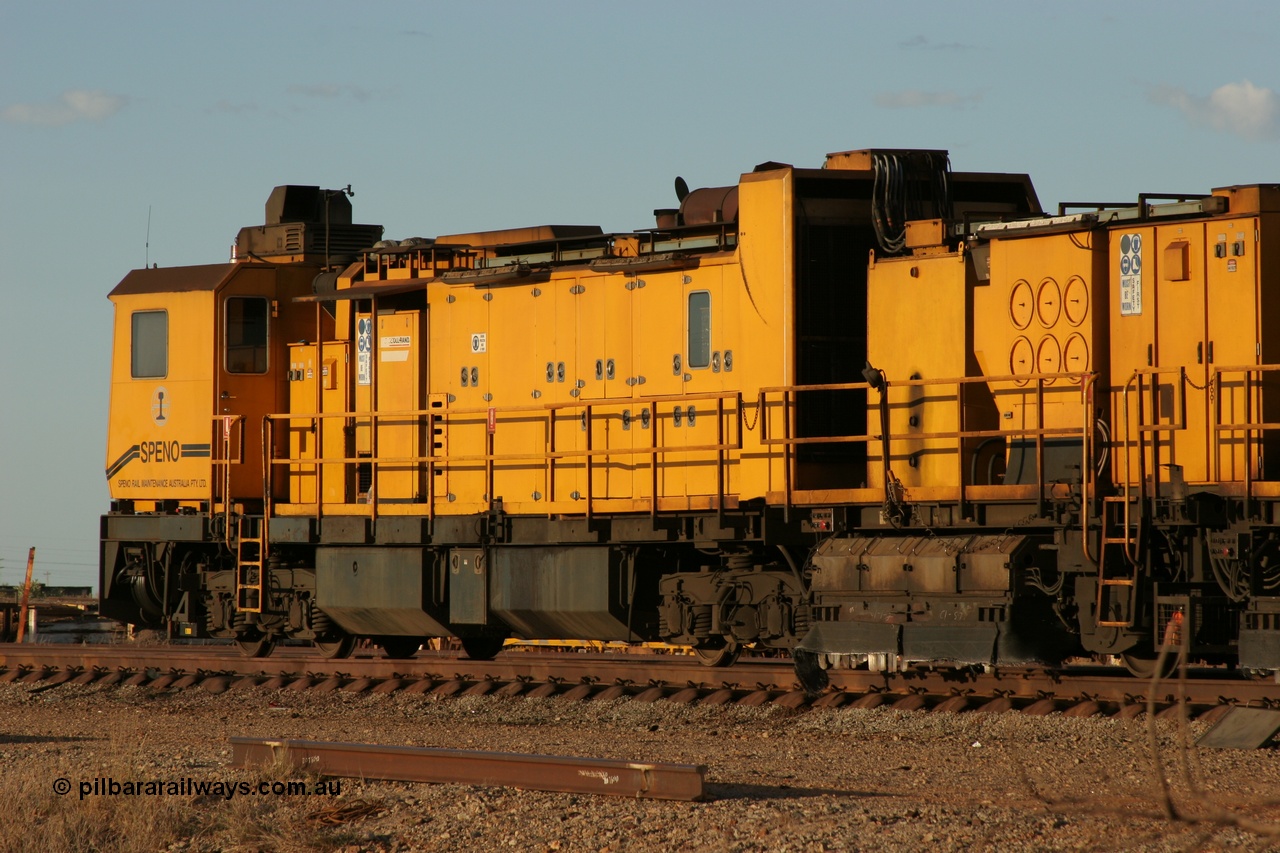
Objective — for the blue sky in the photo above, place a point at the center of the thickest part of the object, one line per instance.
(451, 117)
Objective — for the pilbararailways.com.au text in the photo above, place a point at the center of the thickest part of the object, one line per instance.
(189, 787)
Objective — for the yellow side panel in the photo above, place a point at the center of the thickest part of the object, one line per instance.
(1134, 298)
(1181, 326)
(569, 436)
(702, 313)
(604, 355)
(1267, 246)
(1232, 279)
(1037, 315)
(464, 354)
(363, 392)
(518, 382)
(764, 354)
(160, 428)
(937, 349)
(330, 377)
(303, 384)
(400, 433)
(658, 335)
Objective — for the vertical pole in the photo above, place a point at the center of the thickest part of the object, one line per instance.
(551, 458)
(961, 387)
(319, 409)
(653, 461)
(720, 464)
(26, 596)
(786, 455)
(1040, 505)
(373, 409)
(586, 413)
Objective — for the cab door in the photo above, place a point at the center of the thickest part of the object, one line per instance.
(247, 386)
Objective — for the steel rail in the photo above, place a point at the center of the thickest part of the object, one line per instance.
(584, 675)
(659, 781)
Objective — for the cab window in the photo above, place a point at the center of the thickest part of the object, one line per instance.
(699, 329)
(246, 334)
(149, 347)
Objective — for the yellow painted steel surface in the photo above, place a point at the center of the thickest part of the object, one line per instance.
(634, 375)
(1037, 316)
(160, 426)
(319, 386)
(912, 308)
(572, 388)
(190, 429)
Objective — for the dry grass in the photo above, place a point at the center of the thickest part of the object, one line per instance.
(42, 820)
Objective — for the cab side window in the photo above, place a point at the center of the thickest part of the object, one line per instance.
(246, 334)
(699, 329)
(149, 345)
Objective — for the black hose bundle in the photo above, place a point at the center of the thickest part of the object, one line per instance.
(908, 186)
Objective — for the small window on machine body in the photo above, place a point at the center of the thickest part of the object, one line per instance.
(699, 324)
(246, 334)
(149, 345)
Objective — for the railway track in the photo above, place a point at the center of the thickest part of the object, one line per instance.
(1073, 691)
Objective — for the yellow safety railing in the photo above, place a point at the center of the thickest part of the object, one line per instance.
(776, 407)
(1035, 385)
(727, 414)
(227, 449)
(1253, 379)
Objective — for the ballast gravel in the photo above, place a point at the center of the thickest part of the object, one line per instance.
(778, 779)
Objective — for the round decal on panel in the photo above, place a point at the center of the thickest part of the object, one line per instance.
(1048, 303)
(1049, 357)
(1021, 359)
(1021, 305)
(1075, 301)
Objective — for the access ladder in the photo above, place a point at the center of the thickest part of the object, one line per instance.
(1117, 564)
(250, 576)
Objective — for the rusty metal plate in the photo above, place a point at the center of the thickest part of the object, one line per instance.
(470, 767)
(1243, 728)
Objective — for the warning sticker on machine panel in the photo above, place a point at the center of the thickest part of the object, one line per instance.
(364, 351)
(1130, 274)
(479, 342)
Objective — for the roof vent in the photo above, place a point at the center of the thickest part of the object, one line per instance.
(307, 204)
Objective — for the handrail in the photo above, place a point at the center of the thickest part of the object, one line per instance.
(1136, 380)
(1044, 383)
(1252, 431)
(730, 428)
(546, 413)
(221, 427)
(1086, 467)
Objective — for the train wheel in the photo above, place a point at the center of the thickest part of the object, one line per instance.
(482, 648)
(399, 648)
(255, 645)
(717, 653)
(337, 647)
(1143, 664)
